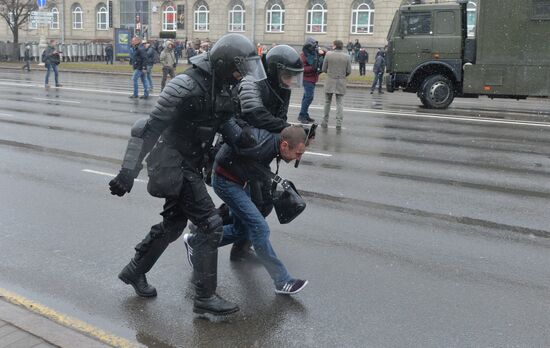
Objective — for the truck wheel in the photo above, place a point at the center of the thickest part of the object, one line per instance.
(390, 83)
(437, 92)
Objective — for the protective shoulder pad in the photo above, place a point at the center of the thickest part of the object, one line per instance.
(249, 96)
(139, 127)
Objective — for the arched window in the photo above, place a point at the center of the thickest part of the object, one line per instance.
(54, 24)
(201, 16)
(102, 17)
(317, 17)
(471, 11)
(275, 17)
(169, 19)
(362, 17)
(77, 17)
(236, 17)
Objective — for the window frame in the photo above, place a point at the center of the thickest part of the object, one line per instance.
(167, 24)
(201, 9)
(359, 9)
(311, 12)
(99, 13)
(269, 24)
(74, 14)
(231, 19)
(55, 15)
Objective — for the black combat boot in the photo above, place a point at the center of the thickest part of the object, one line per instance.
(241, 251)
(213, 304)
(138, 280)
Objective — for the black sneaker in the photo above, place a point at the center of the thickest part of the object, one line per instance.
(291, 287)
(309, 119)
(144, 97)
(186, 238)
(303, 120)
(133, 96)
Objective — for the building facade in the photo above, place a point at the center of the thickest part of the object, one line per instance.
(263, 21)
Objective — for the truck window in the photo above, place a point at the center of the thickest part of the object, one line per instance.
(417, 23)
(445, 22)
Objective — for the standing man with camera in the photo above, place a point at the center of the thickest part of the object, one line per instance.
(311, 57)
(139, 63)
(51, 58)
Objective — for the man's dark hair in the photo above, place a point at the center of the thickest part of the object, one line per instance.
(293, 135)
(338, 44)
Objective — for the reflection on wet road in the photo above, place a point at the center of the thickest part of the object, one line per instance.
(423, 227)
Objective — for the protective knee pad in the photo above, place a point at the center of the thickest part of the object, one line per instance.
(212, 229)
(205, 255)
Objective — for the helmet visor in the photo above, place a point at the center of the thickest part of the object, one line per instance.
(251, 68)
(289, 79)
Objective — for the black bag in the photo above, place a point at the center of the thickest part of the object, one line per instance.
(288, 203)
(165, 169)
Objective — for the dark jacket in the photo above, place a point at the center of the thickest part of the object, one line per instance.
(151, 53)
(139, 58)
(27, 56)
(356, 47)
(379, 64)
(241, 161)
(109, 51)
(362, 57)
(50, 56)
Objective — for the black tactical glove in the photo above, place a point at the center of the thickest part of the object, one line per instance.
(122, 183)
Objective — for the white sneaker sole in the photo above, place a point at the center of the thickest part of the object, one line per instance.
(188, 249)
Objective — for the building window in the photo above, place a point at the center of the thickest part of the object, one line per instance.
(275, 17)
(54, 24)
(201, 16)
(169, 19)
(77, 17)
(362, 17)
(317, 17)
(130, 11)
(471, 11)
(102, 17)
(236, 18)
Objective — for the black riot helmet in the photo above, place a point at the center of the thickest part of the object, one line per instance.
(284, 66)
(234, 52)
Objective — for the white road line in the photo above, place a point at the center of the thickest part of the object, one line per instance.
(57, 100)
(443, 117)
(317, 154)
(107, 174)
(7, 115)
(308, 124)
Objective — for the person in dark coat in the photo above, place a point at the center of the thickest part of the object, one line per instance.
(27, 58)
(356, 48)
(139, 64)
(378, 70)
(109, 54)
(362, 59)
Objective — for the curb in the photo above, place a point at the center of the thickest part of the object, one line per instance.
(53, 327)
(95, 72)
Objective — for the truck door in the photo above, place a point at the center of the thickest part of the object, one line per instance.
(413, 43)
(447, 38)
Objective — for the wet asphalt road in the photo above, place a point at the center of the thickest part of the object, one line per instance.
(423, 228)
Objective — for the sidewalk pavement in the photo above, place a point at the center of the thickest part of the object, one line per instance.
(21, 328)
(12, 66)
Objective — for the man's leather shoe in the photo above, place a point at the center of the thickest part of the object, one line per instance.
(138, 280)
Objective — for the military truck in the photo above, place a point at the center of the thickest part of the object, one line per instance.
(506, 55)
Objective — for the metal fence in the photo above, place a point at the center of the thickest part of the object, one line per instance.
(73, 52)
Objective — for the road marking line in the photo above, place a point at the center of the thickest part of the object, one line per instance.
(457, 118)
(107, 174)
(318, 154)
(308, 124)
(57, 100)
(7, 115)
(65, 320)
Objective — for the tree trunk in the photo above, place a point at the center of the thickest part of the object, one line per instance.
(15, 33)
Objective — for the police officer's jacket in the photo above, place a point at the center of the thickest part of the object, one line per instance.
(242, 162)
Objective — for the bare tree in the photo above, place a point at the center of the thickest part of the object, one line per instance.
(16, 13)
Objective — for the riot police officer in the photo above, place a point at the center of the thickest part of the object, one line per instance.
(176, 136)
(264, 105)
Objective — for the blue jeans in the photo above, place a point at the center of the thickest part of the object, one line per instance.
(309, 89)
(55, 73)
(377, 78)
(149, 79)
(139, 74)
(248, 223)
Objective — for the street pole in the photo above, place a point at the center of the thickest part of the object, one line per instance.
(254, 21)
(62, 21)
(42, 44)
